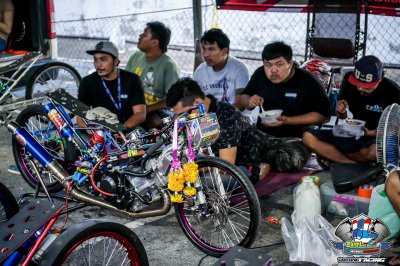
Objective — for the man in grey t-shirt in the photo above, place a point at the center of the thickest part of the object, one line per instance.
(221, 75)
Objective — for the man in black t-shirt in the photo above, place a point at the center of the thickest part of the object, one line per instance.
(239, 141)
(366, 93)
(117, 90)
(279, 84)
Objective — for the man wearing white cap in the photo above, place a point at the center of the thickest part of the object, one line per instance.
(365, 93)
(117, 90)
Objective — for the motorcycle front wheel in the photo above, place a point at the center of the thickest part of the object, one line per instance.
(35, 120)
(231, 213)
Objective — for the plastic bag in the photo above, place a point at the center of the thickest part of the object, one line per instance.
(304, 243)
(380, 207)
(340, 130)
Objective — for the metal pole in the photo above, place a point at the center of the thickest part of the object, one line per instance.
(197, 23)
(197, 32)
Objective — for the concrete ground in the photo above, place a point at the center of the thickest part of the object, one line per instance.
(164, 241)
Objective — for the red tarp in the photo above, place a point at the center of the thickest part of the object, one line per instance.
(376, 7)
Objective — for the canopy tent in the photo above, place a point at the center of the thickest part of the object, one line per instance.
(376, 7)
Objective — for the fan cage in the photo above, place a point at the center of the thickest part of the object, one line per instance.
(387, 140)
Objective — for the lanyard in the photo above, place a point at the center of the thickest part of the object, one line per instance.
(118, 106)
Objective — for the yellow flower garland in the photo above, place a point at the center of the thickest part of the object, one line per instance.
(177, 198)
(191, 172)
(189, 191)
(177, 179)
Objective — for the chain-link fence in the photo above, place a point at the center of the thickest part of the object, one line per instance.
(248, 31)
(77, 36)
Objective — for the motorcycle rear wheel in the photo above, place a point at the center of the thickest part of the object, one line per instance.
(225, 220)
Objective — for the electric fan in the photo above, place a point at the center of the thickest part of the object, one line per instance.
(387, 138)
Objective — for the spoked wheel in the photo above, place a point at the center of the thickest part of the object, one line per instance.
(96, 242)
(51, 77)
(231, 213)
(35, 121)
(8, 204)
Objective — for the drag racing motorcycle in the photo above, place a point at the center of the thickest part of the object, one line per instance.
(139, 174)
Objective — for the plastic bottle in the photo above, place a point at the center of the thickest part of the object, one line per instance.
(61, 126)
(314, 178)
(307, 200)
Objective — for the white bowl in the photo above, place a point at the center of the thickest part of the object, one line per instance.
(270, 116)
(353, 125)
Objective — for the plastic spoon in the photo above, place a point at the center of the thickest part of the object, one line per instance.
(263, 112)
(349, 113)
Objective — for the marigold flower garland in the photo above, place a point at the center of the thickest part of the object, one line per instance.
(181, 181)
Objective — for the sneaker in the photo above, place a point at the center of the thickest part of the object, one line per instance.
(13, 169)
(313, 164)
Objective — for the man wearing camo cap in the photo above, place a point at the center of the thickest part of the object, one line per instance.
(117, 90)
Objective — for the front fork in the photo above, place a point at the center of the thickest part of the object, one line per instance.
(218, 180)
(215, 179)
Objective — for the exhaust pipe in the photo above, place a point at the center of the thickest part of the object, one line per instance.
(62, 176)
(33, 147)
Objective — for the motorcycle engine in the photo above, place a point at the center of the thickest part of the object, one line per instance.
(109, 184)
(146, 188)
(130, 193)
(162, 165)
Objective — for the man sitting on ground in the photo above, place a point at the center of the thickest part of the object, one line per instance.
(239, 142)
(156, 68)
(221, 75)
(366, 93)
(280, 84)
(117, 90)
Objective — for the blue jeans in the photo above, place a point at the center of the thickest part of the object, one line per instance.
(3, 44)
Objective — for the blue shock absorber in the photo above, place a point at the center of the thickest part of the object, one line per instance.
(32, 146)
(17, 255)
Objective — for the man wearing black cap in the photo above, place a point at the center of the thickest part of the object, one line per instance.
(365, 93)
(117, 90)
